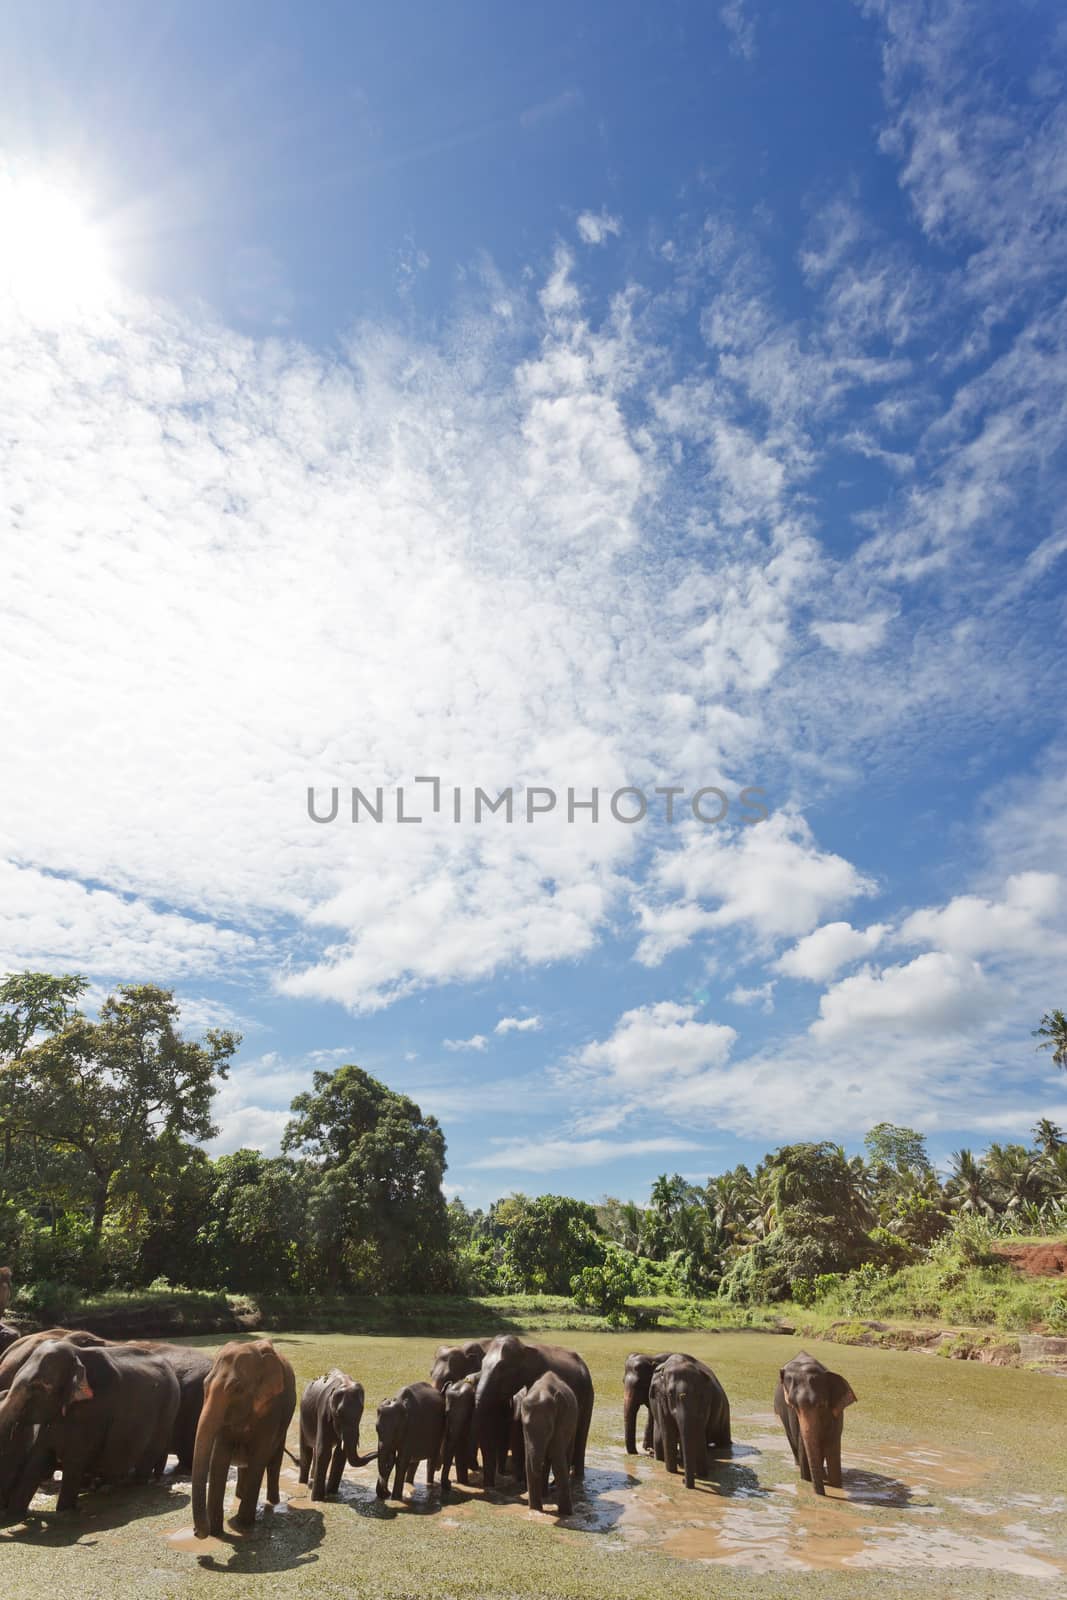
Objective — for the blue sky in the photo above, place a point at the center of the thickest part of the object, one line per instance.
(588, 396)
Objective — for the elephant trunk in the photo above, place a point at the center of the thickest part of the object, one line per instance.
(207, 1432)
(811, 1435)
(631, 1404)
(487, 1434)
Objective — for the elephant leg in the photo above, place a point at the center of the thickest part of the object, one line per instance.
(802, 1461)
(446, 1467)
(562, 1475)
(307, 1456)
(585, 1417)
(833, 1461)
(535, 1474)
(648, 1443)
(323, 1447)
(216, 1488)
(274, 1472)
(248, 1496)
(73, 1473)
(337, 1467)
(398, 1479)
(670, 1443)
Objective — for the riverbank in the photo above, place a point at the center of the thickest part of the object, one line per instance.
(166, 1312)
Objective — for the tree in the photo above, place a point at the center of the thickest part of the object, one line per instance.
(969, 1186)
(1047, 1136)
(378, 1211)
(1052, 1031)
(549, 1242)
(107, 1091)
(901, 1149)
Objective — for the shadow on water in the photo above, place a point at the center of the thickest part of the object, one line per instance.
(98, 1512)
(875, 1489)
(283, 1538)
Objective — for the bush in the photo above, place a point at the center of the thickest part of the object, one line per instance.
(605, 1288)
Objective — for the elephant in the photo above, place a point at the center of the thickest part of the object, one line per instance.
(190, 1366)
(331, 1410)
(100, 1412)
(15, 1354)
(690, 1411)
(411, 1428)
(637, 1376)
(548, 1414)
(249, 1400)
(811, 1400)
(510, 1365)
(459, 1443)
(455, 1361)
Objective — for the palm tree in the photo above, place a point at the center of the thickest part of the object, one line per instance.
(1053, 1035)
(1016, 1172)
(969, 1184)
(1047, 1136)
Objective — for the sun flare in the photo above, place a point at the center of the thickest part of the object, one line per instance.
(54, 257)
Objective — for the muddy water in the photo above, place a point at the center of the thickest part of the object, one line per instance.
(902, 1508)
(753, 1512)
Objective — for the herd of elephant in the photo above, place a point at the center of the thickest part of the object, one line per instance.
(102, 1411)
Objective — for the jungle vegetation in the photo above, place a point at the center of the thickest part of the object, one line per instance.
(105, 1185)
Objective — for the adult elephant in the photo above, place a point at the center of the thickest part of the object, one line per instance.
(190, 1366)
(455, 1361)
(23, 1347)
(104, 1412)
(690, 1412)
(249, 1400)
(510, 1365)
(636, 1379)
(810, 1401)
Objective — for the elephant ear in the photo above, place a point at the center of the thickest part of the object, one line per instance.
(80, 1386)
(840, 1393)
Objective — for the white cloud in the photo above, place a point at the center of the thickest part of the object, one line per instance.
(558, 1155)
(741, 29)
(518, 1025)
(771, 878)
(596, 226)
(47, 921)
(477, 1041)
(655, 1043)
(853, 638)
(934, 993)
(834, 945)
(972, 926)
(761, 995)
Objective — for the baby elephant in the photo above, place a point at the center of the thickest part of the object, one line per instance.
(411, 1429)
(811, 1400)
(548, 1413)
(331, 1411)
(459, 1432)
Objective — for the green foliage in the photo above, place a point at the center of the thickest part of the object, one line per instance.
(605, 1287)
(548, 1242)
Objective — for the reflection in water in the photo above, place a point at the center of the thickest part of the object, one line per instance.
(884, 1518)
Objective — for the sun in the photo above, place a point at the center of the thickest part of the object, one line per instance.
(55, 262)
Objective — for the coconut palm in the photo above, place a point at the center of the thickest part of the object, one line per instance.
(1017, 1175)
(969, 1185)
(1053, 1035)
(1047, 1136)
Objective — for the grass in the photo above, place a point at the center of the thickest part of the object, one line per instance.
(996, 1436)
